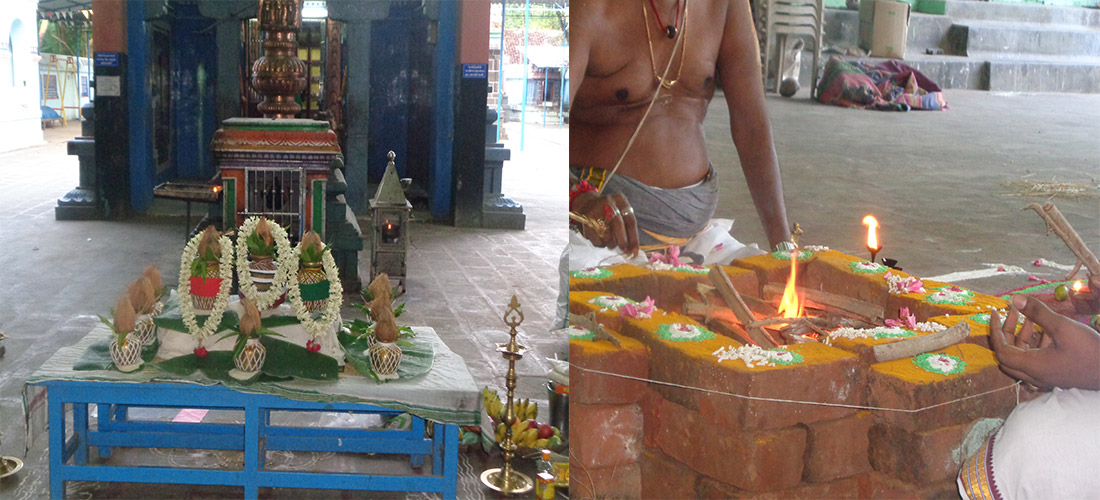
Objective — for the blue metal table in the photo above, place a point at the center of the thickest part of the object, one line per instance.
(115, 393)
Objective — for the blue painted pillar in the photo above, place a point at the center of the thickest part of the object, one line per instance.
(142, 167)
(443, 119)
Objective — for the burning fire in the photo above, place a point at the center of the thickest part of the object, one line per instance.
(791, 306)
(1077, 286)
(872, 237)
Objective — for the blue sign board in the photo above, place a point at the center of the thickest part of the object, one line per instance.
(475, 71)
(108, 59)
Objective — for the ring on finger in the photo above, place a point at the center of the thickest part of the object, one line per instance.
(628, 211)
(610, 212)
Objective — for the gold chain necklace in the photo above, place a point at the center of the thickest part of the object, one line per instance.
(683, 49)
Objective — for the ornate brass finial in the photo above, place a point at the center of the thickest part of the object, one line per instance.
(505, 479)
(279, 75)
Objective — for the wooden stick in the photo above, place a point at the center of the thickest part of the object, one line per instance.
(589, 322)
(1057, 223)
(733, 299)
(728, 329)
(864, 310)
(927, 343)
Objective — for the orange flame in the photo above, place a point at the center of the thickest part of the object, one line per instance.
(791, 306)
(872, 225)
(1077, 286)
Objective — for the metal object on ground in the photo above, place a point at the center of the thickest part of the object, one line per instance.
(9, 466)
(389, 242)
(505, 479)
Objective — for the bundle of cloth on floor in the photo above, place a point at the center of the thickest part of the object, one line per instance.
(888, 86)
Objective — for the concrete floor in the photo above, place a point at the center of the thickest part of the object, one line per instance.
(934, 179)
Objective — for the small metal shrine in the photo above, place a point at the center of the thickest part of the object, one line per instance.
(506, 479)
(389, 242)
(277, 166)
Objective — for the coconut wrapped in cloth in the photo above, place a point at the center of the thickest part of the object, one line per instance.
(263, 229)
(151, 295)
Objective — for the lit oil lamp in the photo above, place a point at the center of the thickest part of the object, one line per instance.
(872, 236)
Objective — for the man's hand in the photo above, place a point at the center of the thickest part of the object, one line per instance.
(1066, 354)
(618, 216)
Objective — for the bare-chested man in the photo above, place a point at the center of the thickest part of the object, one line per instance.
(665, 183)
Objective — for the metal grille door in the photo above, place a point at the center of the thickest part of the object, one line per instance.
(277, 194)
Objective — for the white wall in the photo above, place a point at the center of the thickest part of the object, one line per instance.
(20, 115)
(68, 77)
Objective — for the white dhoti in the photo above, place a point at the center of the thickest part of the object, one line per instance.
(1048, 448)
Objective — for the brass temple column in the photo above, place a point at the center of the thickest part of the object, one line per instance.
(279, 75)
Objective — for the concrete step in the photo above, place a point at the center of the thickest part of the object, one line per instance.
(1036, 14)
(1023, 38)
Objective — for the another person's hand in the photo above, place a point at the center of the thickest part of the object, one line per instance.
(1066, 354)
(617, 216)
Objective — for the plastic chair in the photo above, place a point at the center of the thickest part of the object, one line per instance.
(792, 17)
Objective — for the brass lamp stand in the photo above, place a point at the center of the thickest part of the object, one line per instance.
(505, 479)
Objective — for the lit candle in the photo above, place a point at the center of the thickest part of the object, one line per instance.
(872, 237)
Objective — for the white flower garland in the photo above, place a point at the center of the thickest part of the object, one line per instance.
(286, 256)
(221, 301)
(329, 314)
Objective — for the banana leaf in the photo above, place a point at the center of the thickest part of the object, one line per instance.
(417, 356)
(289, 360)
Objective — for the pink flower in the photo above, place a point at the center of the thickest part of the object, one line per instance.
(1000, 269)
(1031, 277)
(312, 346)
(1038, 263)
(672, 258)
(717, 247)
(201, 352)
(643, 309)
(905, 320)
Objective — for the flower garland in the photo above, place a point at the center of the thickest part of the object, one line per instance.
(221, 301)
(263, 300)
(317, 327)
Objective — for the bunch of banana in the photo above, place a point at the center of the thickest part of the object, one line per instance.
(493, 406)
(526, 410)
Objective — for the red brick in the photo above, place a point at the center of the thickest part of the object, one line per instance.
(618, 481)
(926, 456)
(837, 448)
(768, 269)
(673, 285)
(757, 461)
(626, 280)
(664, 478)
(830, 272)
(839, 489)
(629, 359)
(875, 486)
(651, 415)
(900, 384)
(828, 375)
(605, 435)
(923, 310)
